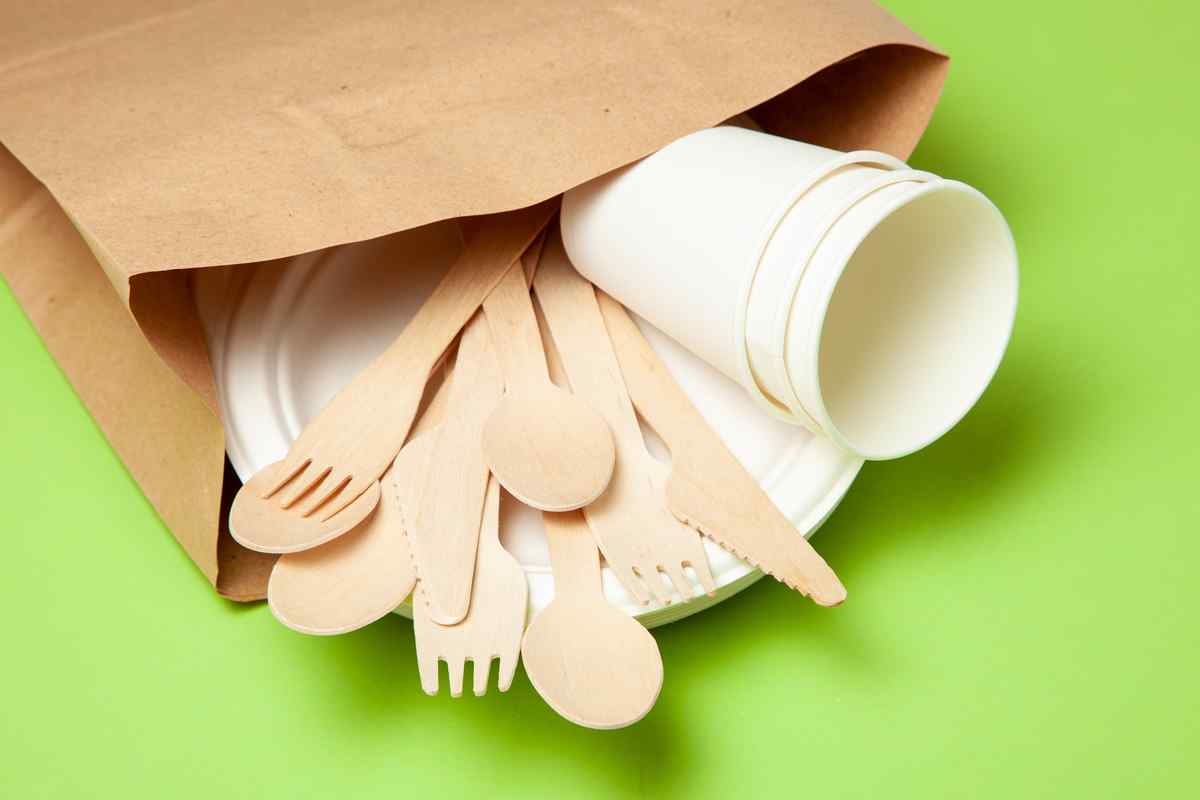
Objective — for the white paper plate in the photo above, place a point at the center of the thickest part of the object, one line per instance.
(286, 336)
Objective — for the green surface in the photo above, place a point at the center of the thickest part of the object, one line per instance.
(1023, 600)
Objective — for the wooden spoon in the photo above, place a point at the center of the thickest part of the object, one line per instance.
(591, 663)
(640, 538)
(548, 448)
(445, 530)
(360, 577)
(328, 482)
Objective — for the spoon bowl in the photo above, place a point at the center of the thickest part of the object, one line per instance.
(617, 652)
(593, 664)
(549, 448)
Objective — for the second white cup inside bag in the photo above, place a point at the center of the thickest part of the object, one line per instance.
(882, 303)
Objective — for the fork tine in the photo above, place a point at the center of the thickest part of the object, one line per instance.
(680, 579)
(285, 472)
(632, 583)
(352, 491)
(654, 581)
(508, 668)
(335, 480)
(704, 575)
(481, 670)
(455, 666)
(302, 484)
(427, 667)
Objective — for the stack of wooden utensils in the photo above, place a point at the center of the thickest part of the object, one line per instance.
(394, 489)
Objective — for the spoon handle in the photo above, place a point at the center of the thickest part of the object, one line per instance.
(509, 312)
(574, 557)
(578, 334)
(639, 537)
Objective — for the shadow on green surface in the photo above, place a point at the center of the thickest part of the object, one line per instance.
(368, 682)
(377, 687)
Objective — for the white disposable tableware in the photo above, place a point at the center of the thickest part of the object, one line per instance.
(846, 293)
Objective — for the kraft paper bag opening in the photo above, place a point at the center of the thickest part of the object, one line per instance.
(143, 139)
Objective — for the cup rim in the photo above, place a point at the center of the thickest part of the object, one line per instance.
(777, 409)
(817, 321)
(783, 311)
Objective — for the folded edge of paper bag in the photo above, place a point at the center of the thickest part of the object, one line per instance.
(853, 78)
(166, 433)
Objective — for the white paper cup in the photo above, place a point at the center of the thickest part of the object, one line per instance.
(846, 293)
(784, 260)
(677, 236)
(902, 316)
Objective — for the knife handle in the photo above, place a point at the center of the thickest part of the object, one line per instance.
(654, 392)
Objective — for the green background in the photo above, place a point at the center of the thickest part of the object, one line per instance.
(1022, 612)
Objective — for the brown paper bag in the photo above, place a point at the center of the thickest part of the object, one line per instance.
(146, 138)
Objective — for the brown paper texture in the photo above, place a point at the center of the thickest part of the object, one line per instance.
(149, 137)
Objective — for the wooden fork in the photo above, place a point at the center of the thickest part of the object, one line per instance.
(494, 623)
(329, 480)
(361, 576)
(639, 537)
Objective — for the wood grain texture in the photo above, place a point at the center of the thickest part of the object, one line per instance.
(348, 583)
(359, 577)
(341, 454)
(708, 488)
(260, 524)
(641, 540)
(445, 530)
(493, 625)
(593, 664)
(533, 254)
(548, 448)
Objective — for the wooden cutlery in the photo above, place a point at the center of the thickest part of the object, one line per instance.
(593, 664)
(493, 625)
(707, 487)
(640, 539)
(547, 447)
(328, 482)
(362, 576)
(505, 418)
(444, 531)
